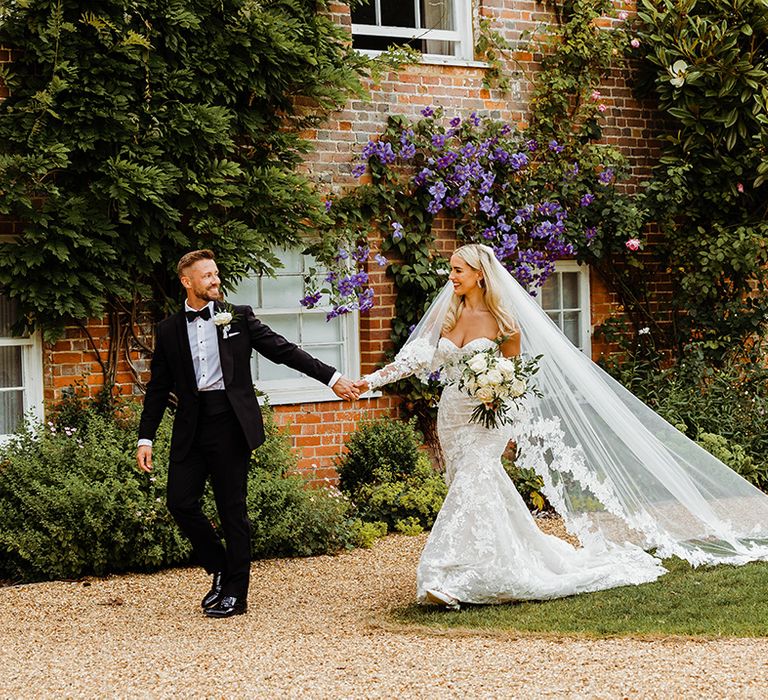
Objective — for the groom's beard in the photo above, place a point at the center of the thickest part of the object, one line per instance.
(212, 293)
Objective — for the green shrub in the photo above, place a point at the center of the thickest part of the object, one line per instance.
(72, 501)
(416, 498)
(290, 519)
(378, 451)
(734, 456)
(707, 400)
(389, 478)
(528, 484)
(367, 533)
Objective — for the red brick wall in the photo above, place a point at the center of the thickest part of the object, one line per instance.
(71, 360)
(318, 429)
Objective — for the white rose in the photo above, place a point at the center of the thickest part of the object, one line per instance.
(485, 394)
(482, 380)
(517, 387)
(478, 363)
(494, 377)
(506, 367)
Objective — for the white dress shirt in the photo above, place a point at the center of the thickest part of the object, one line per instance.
(204, 343)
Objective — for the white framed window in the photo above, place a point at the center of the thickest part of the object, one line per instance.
(434, 27)
(275, 301)
(565, 298)
(21, 373)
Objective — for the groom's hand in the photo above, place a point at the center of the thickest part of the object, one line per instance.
(345, 389)
(144, 458)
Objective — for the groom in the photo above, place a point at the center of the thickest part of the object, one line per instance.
(203, 356)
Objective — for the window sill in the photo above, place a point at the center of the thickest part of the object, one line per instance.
(436, 60)
(292, 397)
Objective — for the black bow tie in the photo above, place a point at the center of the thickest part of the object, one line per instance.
(204, 313)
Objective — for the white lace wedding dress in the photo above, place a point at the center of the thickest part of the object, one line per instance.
(485, 546)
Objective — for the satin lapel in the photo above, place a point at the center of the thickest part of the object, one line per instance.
(225, 354)
(185, 352)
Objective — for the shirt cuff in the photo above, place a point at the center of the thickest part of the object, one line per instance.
(143, 442)
(335, 378)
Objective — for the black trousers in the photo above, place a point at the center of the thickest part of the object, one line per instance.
(221, 453)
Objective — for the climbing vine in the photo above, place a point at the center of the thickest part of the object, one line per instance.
(535, 195)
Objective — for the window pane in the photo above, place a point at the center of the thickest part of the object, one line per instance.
(365, 14)
(331, 355)
(7, 316)
(317, 330)
(571, 327)
(555, 316)
(570, 285)
(398, 13)
(437, 14)
(267, 370)
(247, 292)
(10, 367)
(11, 410)
(286, 325)
(282, 292)
(550, 292)
(382, 43)
(292, 262)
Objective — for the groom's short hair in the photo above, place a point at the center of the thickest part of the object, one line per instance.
(189, 259)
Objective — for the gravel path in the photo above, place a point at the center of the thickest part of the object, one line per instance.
(316, 629)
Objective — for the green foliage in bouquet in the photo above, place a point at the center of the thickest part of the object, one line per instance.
(389, 478)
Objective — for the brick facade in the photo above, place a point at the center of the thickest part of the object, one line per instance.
(318, 429)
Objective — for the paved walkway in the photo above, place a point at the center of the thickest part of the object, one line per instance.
(317, 628)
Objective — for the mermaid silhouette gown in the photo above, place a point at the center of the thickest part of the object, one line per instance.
(485, 546)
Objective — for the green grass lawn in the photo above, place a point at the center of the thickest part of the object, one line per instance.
(723, 601)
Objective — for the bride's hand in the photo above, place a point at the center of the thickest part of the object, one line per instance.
(362, 386)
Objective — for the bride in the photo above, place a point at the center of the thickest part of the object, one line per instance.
(622, 478)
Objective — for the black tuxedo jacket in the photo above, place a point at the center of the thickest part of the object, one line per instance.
(172, 370)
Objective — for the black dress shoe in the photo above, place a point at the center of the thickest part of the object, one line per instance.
(214, 595)
(227, 607)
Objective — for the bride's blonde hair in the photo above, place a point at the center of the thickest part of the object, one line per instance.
(480, 258)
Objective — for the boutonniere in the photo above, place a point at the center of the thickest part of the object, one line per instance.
(224, 320)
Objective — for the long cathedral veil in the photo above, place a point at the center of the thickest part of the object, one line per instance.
(612, 468)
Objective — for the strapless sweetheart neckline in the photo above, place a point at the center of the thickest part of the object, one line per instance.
(468, 343)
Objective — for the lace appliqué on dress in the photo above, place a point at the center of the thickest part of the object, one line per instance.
(416, 358)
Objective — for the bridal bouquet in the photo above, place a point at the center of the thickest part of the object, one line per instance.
(496, 382)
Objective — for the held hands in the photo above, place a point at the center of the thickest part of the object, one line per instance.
(345, 389)
(362, 386)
